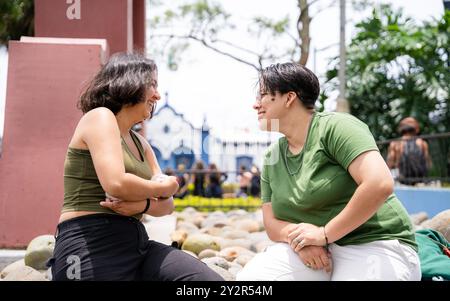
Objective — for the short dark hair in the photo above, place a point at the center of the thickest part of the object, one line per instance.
(289, 77)
(123, 80)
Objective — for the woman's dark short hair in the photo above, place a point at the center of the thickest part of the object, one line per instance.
(122, 81)
(289, 77)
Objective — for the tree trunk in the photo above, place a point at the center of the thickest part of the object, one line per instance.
(303, 30)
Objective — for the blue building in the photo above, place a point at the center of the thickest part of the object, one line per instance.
(176, 140)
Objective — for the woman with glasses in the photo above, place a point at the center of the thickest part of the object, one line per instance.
(104, 239)
(327, 193)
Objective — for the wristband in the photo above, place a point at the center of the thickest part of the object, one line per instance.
(326, 238)
(146, 206)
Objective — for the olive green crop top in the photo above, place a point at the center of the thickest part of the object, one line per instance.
(82, 189)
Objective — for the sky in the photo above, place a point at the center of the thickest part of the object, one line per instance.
(209, 85)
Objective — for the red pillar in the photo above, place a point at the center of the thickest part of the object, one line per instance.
(139, 25)
(95, 19)
(45, 80)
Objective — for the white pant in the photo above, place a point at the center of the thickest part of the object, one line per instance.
(379, 260)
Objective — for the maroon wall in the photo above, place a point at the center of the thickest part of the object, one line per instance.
(44, 83)
(139, 25)
(98, 19)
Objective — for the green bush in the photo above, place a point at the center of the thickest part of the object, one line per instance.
(211, 204)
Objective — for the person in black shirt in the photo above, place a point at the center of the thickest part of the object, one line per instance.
(215, 180)
(198, 178)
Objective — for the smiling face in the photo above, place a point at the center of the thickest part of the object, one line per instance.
(269, 109)
(151, 97)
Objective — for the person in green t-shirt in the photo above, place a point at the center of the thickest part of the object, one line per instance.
(327, 193)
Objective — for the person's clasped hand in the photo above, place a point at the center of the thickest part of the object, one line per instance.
(307, 235)
(311, 251)
(127, 208)
(170, 183)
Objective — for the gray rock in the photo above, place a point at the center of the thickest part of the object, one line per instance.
(211, 222)
(243, 259)
(232, 253)
(39, 251)
(25, 273)
(189, 227)
(256, 237)
(19, 264)
(199, 242)
(239, 242)
(234, 234)
(234, 268)
(190, 253)
(192, 217)
(198, 220)
(214, 231)
(218, 261)
(236, 218)
(222, 242)
(179, 236)
(227, 276)
(440, 222)
(207, 254)
(218, 214)
(261, 246)
(237, 212)
(47, 274)
(247, 225)
(417, 227)
(189, 210)
(418, 218)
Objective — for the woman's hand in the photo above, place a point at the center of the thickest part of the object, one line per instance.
(169, 185)
(124, 207)
(306, 235)
(313, 256)
(316, 258)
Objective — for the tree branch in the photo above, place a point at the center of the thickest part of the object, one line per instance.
(326, 7)
(236, 47)
(211, 47)
(297, 44)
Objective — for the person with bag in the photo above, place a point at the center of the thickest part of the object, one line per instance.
(409, 157)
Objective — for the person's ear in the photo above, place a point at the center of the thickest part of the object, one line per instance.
(291, 97)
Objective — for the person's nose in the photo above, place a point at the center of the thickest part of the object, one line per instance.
(256, 104)
(156, 96)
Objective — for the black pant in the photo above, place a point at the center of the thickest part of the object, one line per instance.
(114, 247)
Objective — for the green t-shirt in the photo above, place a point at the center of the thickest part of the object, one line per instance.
(314, 185)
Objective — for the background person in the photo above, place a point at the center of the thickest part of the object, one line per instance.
(255, 182)
(409, 158)
(183, 179)
(198, 178)
(215, 180)
(244, 179)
